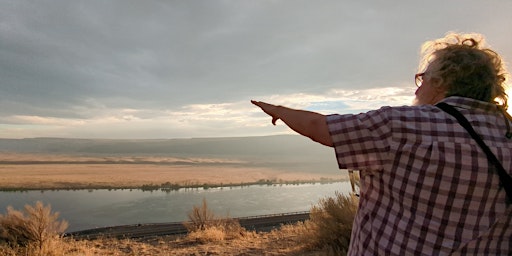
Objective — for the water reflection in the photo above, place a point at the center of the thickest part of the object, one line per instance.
(85, 209)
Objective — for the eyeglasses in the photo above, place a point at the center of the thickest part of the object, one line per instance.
(418, 79)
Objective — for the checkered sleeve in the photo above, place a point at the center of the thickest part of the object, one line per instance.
(361, 141)
(430, 190)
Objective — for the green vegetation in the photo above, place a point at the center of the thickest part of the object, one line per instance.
(167, 186)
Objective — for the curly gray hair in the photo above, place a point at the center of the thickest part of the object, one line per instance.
(465, 65)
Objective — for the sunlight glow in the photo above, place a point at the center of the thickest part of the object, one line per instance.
(509, 93)
(228, 119)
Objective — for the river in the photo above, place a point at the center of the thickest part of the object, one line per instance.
(86, 209)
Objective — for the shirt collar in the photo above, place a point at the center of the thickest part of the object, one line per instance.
(469, 103)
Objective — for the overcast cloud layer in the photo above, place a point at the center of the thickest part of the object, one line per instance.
(172, 69)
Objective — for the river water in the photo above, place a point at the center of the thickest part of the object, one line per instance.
(86, 209)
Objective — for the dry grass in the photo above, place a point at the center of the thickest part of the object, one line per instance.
(33, 231)
(204, 226)
(20, 171)
(330, 223)
(284, 241)
(229, 239)
(201, 218)
(224, 238)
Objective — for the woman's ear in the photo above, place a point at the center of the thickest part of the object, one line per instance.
(438, 84)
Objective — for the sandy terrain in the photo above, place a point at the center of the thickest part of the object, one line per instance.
(25, 171)
(19, 171)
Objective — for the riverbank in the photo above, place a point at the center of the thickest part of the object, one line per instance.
(54, 172)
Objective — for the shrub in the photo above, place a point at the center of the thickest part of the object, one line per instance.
(355, 181)
(210, 234)
(201, 218)
(36, 227)
(204, 225)
(330, 223)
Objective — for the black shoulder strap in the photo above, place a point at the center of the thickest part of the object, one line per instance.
(505, 179)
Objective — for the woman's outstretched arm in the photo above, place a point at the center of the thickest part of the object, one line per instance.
(310, 124)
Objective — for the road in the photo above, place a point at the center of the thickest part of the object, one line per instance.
(256, 223)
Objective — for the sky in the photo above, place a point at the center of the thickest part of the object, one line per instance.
(155, 69)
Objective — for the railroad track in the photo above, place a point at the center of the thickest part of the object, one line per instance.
(256, 223)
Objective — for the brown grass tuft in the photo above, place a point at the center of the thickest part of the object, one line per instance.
(34, 231)
(204, 226)
(330, 223)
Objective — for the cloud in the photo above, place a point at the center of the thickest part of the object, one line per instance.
(89, 62)
(239, 118)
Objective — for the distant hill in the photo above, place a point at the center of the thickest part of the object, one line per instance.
(287, 151)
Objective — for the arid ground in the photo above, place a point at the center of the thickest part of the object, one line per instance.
(44, 171)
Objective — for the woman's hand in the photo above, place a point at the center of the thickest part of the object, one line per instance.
(310, 124)
(269, 109)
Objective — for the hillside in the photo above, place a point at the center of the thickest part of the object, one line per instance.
(289, 152)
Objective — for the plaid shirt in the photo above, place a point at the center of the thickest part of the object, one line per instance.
(426, 186)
